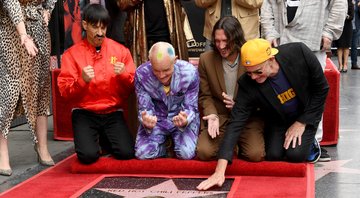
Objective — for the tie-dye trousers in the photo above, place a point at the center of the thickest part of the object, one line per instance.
(152, 145)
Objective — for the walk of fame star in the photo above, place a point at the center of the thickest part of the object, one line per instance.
(323, 168)
(164, 189)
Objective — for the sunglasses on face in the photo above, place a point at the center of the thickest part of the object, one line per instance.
(259, 71)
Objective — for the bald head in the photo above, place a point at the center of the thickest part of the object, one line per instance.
(161, 51)
(162, 58)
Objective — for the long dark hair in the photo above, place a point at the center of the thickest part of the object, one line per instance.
(233, 32)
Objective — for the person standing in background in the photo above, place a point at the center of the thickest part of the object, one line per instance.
(153, 21)
(115, 29)
(344, 42)
(356, 34)
(247, 12)
(25, 73)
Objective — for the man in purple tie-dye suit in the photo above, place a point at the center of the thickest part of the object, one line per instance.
(167, 91)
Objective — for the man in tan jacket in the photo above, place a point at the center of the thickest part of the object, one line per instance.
(219, 70)
(247, 13)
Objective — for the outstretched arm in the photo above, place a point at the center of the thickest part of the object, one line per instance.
(213, 125)
(218, 178)
(206, 99)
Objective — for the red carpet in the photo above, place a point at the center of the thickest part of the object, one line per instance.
(61, 112)
(331, 113)
(189, 167)
(58, 181)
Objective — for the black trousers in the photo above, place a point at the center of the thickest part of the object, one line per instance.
(108, 130)
(274, 136)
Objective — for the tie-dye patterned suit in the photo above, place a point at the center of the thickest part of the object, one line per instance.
(184, 89)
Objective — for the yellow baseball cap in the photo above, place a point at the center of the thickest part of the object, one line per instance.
(256, 51)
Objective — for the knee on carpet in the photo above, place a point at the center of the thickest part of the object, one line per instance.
(274, 156)
(88, 158)
(254, 155)
(183, 153)
(205, 154)
(295, 156)
(124, 154)
(147, 155)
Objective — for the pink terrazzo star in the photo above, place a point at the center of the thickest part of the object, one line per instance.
(323, 168)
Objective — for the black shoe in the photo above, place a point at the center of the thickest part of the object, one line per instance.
(324, 157)
(344, 70)
(315, 152)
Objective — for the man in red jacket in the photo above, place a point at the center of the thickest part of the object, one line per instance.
(95, 75)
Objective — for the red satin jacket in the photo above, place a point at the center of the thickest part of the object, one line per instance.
(104, 93)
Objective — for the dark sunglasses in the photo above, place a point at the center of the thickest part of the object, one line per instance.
(259, 71)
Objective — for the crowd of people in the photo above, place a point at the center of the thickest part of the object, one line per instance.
(261, 97)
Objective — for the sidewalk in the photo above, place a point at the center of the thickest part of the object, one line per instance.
(22, 154)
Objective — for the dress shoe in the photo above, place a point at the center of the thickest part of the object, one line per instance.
(340, 70)
(355, 67)
(6, 172)
(344, 70)
(42, 162)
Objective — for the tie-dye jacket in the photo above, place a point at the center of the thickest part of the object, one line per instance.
(184, 89)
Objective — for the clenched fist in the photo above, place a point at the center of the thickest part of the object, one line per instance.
(149, 121)
(181, 119)
(88, 73)
(119, 68)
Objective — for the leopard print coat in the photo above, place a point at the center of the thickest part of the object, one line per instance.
(24, 80)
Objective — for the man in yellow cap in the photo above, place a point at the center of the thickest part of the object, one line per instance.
(290, 88)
